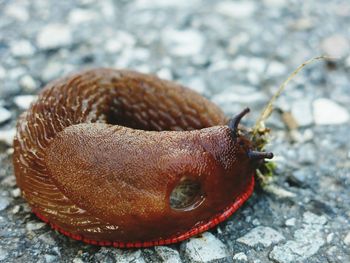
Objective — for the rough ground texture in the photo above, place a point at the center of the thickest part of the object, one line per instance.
(234, 52)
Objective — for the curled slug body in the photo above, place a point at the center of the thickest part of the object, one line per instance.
(126, 159)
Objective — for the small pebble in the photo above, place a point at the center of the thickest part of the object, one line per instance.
(22, 48)
(16, 209)
(7, 136)
(330, 237)
(119, 41)
(5, 115)
(3, 254)
(261, 235)
(27, 83)
(336, 46)
(2, 72)
(307, 241)
(16, 192)
(17, 11)
(328, 112)
(275, 69)
(165, 73)
(4, 203)
(80, 16)
(236, 9)
(54, 36)
(168, 255)
(196, 84)
(347, 239)
(23, 101)
(240, 257)
(50, 258)
(302, 112)
(183, 43)
(290, 222)
(205, 248)
(31, 226)
(313, 219)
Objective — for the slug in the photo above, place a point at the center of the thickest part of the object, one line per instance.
(124, 159)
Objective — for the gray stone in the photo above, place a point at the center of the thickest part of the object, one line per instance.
(168, 255)
(146, 4)
(328, 112)
(275, 3)
(236, 10)
(304, 23)
(3, 254)
(240, 257)
(24, 101)
(290, 222)
(22, 48)
(261, 235)
(27, 83)
(119, 41)
(5, 115)
(336, 46)
(32, 226)
(347, 239)
(17, 11)
(165, 73)
(275, 69)
(4, 203)
(80, 16)
(132, 256)
(183, 43)
(256, 64)
(302, 112)
(330, 237)
(52, 71)
(50, 258)
(196, 84)
(242, 94)
(54, 36)
(2, 72)
(307, 241)
(313, 219)
(205, 248)
(16, 192)
(7, 136)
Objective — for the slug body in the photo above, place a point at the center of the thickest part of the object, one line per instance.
(126, 159)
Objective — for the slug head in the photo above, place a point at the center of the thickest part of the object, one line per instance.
(218, 169)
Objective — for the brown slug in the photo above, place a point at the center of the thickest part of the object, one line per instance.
(120, 158)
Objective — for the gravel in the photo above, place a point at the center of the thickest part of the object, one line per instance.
(261, 235)
(327, 112)
(5, 115)
(236, 53)
(23, 101)
(54, 36)
(204, 248)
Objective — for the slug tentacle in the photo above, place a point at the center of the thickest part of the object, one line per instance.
(255, 155)
(104, 156)
(234, 122)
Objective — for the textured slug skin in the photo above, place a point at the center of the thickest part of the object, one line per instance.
(100, 151)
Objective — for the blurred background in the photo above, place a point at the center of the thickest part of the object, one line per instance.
(236, 53)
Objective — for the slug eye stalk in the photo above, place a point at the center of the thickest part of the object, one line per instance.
(255, 155)
(234, 122)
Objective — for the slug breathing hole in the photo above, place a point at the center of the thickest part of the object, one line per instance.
(187, 195)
